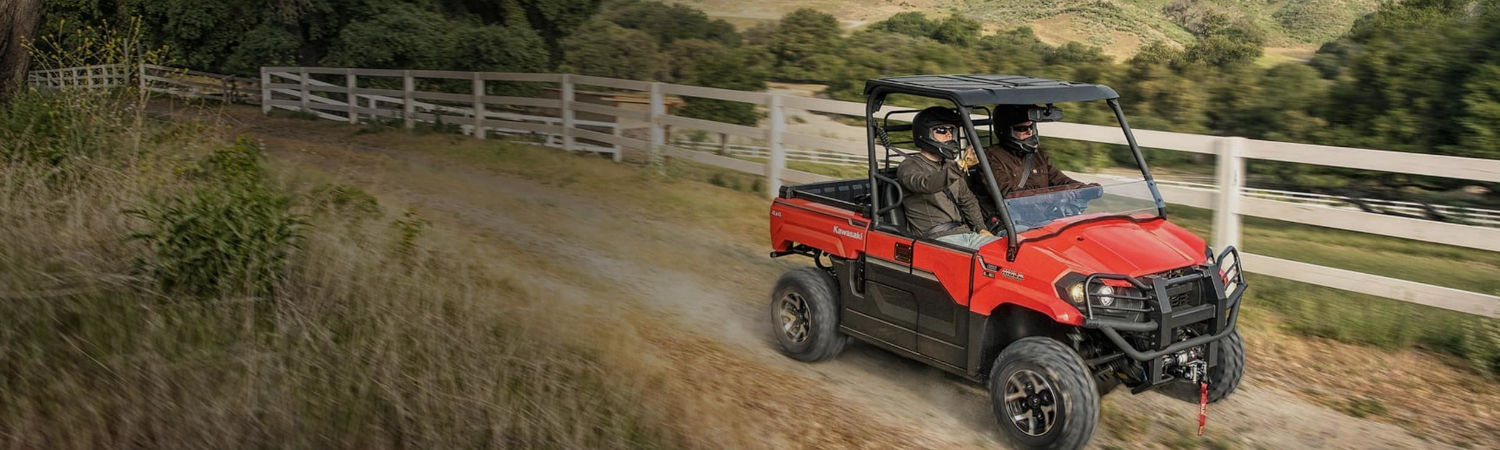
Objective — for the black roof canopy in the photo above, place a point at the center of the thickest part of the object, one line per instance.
(975, 90)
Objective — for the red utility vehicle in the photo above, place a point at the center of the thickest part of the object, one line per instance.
(1089, 288)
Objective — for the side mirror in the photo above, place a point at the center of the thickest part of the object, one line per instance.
(1047, 114)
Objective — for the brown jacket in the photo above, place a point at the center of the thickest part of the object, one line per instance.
(1007, 169)
(927, 205)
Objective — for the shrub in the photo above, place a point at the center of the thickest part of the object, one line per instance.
(231, 235)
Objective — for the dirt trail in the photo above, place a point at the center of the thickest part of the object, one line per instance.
(699, 295)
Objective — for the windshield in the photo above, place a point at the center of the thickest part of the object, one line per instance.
(1037, 208)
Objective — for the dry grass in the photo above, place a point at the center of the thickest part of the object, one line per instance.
(383, 332)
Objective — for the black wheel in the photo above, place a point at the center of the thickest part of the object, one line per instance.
(805, 315)
(1043, 396)
(1224, 378)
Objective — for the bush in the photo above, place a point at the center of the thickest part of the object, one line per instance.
(231, 235)
(38, 128)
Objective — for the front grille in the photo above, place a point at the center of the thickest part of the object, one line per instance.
(1183, 300)
(1182, 295)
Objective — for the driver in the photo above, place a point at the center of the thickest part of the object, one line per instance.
(940, 205)
(1018, 162)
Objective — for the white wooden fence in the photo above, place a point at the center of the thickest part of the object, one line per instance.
(151, 77)
(474, 112)
(298, 89)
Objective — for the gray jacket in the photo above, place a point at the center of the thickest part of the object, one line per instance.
(927, 204)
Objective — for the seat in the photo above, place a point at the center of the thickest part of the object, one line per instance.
(894, 219)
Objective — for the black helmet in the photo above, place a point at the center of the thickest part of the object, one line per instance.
(1009, 115)
(921, 130)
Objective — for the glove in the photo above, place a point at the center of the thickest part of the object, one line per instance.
(967, 160)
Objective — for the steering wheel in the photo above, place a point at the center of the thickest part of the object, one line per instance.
(1066, 200)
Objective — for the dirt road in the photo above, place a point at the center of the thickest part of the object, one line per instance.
(691, 280)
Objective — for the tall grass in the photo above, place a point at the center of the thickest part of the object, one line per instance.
(159, 288)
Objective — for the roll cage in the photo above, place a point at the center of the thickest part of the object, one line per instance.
(968, 92)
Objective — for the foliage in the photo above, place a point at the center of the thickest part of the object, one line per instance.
(239, 36)
(498, 49)
(37, 129)
(669, 23)
(800, 38)
(604, 49)
(265, 45)
(233, 235)
(404, 37)
(910, 23)
(743, 69)
(1418, 76)
(955, 30)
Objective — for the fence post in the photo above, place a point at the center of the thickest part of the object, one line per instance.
(265, 91)
(723, 144)
(408, 105)
(302, 90)
(658, 133)
(567, 113)
(478, 106)
(1230, 172)
(141, 78)
(777, 158)
(619, 149)
(349, 83)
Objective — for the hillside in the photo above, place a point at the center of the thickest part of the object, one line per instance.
(1118, 26)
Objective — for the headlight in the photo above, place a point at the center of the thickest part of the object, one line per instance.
(1076, 293)
(1105, 295)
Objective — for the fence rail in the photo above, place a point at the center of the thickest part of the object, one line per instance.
(554, 121)
(153, 78)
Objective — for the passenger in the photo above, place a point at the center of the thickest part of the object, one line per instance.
(938, 203)
(1018, 162)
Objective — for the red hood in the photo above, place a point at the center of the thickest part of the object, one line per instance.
(1116, 246)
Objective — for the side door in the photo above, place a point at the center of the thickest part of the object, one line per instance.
(941, 283)
(883, 306)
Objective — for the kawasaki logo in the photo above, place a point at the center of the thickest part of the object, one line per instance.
(848, 233)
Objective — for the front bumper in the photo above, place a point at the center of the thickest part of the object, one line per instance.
(1193, 308)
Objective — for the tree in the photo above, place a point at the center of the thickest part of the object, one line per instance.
(18, 21)
(1481, 124)
(801, 35)
(956, 30)
(487, 48)
(1016, 51)
(744, 69)
(403, 37)
(197, 34)
(683, 57)
(604, 49)
(910, 23)
(266, 45)
(669, 23)
(553, 20)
